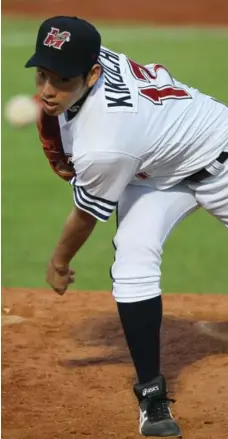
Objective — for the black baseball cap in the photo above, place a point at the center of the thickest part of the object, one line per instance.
(68, 46)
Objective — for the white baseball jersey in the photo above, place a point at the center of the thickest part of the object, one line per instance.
(139, 124)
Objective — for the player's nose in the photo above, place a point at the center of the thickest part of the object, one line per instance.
(48, 91)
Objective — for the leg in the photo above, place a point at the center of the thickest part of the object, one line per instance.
(212, 194)
(146, 217)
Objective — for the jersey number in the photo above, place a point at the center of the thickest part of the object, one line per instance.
(151, 92)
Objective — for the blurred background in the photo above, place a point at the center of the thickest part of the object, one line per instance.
(191, 39)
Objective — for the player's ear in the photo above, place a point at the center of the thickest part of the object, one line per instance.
(93, 75)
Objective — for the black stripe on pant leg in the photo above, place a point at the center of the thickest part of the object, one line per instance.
(113, 244)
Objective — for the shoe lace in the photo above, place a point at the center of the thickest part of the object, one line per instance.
(159, 409)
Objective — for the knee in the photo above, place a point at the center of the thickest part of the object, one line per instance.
(129, 293)
(136, 270)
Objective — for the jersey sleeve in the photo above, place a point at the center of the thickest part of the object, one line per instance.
(101, 180)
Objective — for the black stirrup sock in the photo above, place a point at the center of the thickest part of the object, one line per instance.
(141, 322)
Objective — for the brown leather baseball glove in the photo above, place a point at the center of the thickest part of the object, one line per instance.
(50, 137)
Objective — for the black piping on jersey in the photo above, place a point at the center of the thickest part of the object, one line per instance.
(90, 200)
(91, 206)
(88, 209)
(93, 201)
(113, 243)
(73, 181)
(93, 197)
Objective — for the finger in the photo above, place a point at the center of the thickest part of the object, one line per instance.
(71, 280)
(59, 291)
(59, 287)
(71, 272)
(71, 277)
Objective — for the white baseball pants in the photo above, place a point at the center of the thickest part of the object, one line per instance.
(146, 218)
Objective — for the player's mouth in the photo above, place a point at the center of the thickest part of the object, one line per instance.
(50, 107)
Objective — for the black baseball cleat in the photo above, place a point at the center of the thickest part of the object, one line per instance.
(155, 415)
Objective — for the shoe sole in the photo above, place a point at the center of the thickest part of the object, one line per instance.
(165, 437)
(177, 434)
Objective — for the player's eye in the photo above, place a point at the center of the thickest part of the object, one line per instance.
(41, 74)
(65, 79)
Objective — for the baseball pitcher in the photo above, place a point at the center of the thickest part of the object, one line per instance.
(131, 139)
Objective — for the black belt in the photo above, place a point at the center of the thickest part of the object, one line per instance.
(203, 173)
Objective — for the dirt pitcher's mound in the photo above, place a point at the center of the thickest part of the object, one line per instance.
(67, 372)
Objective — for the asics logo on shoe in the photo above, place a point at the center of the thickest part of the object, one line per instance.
(150, 390)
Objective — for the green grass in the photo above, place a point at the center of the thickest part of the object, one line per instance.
(35, 202)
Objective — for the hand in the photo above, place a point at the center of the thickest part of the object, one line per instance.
(59, 277)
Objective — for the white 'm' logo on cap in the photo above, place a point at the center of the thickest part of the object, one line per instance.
(56, 39)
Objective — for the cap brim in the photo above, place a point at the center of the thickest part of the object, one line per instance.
(50, 64)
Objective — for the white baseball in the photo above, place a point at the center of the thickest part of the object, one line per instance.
(21, 110)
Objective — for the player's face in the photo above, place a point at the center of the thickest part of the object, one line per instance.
(58, 94)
